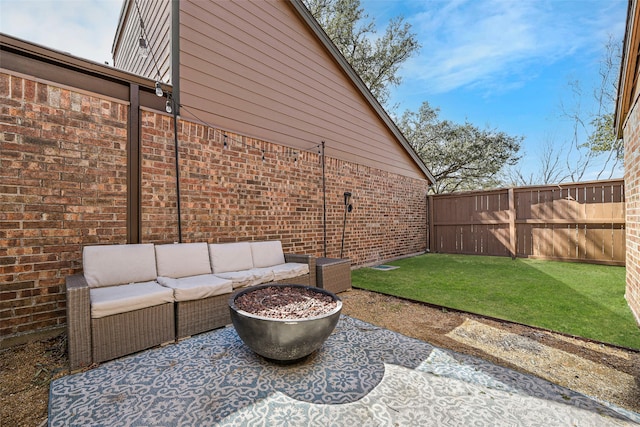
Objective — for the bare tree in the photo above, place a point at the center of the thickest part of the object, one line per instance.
(601, 142)
(577, 157)
(592, 144)
(549, 170)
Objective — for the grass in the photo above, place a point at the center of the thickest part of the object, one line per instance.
(586, 300)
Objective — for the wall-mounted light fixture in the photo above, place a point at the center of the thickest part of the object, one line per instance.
(348, 207)
(347, 201)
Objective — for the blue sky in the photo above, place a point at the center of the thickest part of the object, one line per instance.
(506, 64)
(503, 64)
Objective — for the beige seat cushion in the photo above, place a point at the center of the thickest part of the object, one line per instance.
(267, 254)
(197, 287)
(110, 300)
(110, 265)
(289, 270)
(182, 260)
(242, 278)
(263, 275)
(227, 257)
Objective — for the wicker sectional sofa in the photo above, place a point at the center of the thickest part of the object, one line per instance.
(135, 296)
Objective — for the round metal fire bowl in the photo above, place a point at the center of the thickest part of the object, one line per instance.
(281, 339)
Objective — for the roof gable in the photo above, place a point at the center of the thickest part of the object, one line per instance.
(628, 82)
(304, 13)
(263, 69)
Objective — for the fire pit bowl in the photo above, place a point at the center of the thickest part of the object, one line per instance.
(290, 336)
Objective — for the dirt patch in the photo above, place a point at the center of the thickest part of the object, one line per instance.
(25, 374)
(595, 369)
(553, 364)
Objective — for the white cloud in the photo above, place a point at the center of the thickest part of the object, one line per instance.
(480, 43)
(80, 27)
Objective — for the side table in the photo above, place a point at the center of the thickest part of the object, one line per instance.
(333, 274)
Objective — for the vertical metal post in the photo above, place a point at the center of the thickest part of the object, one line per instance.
(324, 204)
(134, 161)
(175, 140)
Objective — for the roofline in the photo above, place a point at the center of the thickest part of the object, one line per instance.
(308, 18)
(627, 66)
(124, 11)
(75, 62)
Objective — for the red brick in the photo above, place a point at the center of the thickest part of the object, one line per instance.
(631, 136)
(69, 189)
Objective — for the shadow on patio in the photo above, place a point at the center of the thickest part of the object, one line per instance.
(363, 374)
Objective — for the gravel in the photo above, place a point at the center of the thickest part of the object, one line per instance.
(286, 303)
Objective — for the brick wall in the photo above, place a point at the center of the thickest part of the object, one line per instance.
(388, 218)
(632, 189)
(232, 194)
(62, 185)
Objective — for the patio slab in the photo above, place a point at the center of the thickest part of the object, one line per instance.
(363, 374)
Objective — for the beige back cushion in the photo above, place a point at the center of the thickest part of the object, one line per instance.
(118, 264)
(227, 257)
(182, 260)
(267, 254)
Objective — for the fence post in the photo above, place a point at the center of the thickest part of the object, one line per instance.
(512, 224)
(430, 221)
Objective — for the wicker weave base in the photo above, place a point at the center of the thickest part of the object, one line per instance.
(333, 274)
(126, 333)
(194, 317)
(78, 322)
(300, 280)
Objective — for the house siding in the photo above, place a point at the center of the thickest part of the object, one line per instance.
(257, 69)
(156, 15)
(627, 125)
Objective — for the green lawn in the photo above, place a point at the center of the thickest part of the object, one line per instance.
(577, 299)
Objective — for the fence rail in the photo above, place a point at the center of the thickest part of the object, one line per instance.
(582, 222)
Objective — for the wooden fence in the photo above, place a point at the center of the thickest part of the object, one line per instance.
(583, 222)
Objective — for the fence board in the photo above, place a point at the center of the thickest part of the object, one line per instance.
(573, 222)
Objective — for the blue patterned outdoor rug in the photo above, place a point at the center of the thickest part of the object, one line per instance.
(362, 376)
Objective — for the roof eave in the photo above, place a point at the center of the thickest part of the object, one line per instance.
(121, 19)
(627, 67)
(75, 62)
